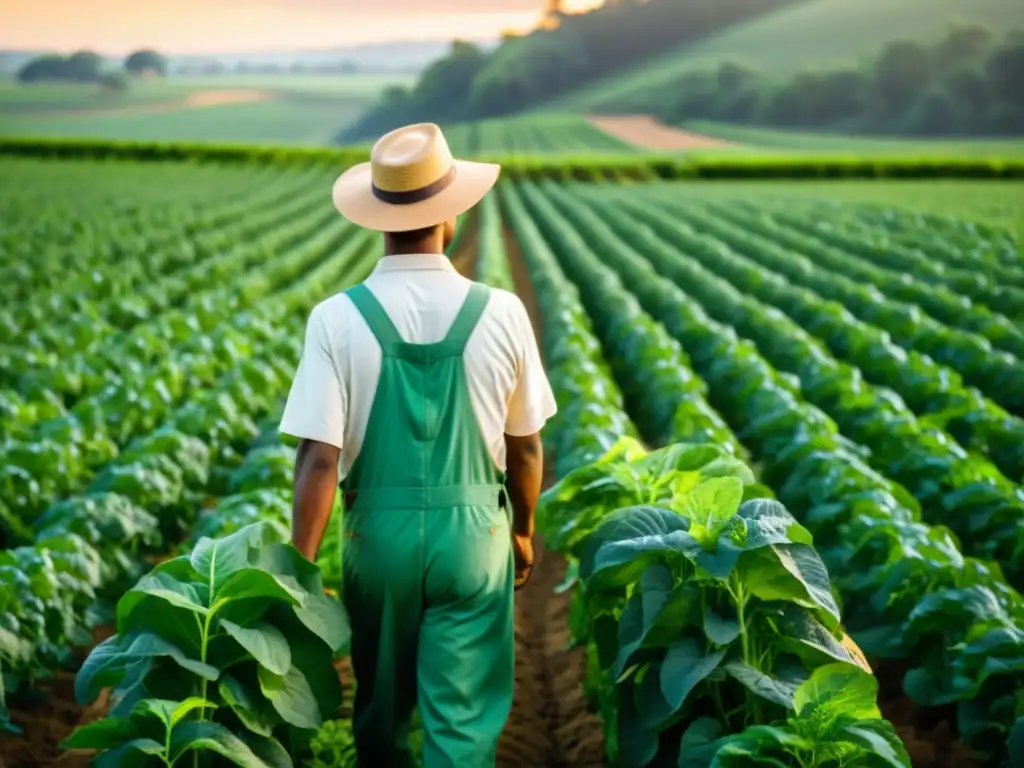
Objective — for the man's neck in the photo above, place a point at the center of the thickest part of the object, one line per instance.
(429, 245)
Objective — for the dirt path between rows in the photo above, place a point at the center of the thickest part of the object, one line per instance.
(197, 100)
(551, 723)
(645, 132)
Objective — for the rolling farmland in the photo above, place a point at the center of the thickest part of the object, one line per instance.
(784, 522)
(286, 110)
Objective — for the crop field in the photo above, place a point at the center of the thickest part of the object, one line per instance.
(285, 110)
(784, 522)
(556, 134)
(772, 138)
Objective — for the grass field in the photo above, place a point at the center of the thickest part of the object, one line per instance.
(771, 138)
(286, 110)
(813, 395)
(550, 135)
(809, 34)
(281, 120)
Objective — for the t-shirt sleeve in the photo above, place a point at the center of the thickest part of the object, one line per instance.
(532, 402)
(316, 406)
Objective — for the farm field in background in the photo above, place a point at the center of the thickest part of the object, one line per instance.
(834, 370)
(294, 109)
(767, 139)
(549, 135)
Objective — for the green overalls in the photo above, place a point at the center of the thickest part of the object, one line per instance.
(428, 565)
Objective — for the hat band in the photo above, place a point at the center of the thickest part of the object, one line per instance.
(415, 195)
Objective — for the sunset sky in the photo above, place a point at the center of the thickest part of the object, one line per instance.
(206, 26)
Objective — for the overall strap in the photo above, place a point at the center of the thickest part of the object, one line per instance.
(373, 313)
(472, 309)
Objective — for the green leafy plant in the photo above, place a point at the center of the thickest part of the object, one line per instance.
(693, 599)
(836, 723)
(226, 650)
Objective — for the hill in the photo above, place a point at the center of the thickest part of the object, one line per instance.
(807, 34)
(563, 55)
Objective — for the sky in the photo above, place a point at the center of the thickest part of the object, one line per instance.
(209, 26)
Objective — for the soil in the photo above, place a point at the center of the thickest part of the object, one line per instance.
(197, 100)
(49, 718)
(929, 734)
(647, 133)
(551, 723)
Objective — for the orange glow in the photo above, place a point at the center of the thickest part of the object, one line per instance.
(202, 26)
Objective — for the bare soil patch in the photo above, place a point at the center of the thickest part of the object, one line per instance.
(197, 100)
(645, 132)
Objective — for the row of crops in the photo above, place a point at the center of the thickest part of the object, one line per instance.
(789, 437)
(906, 475)
(555, 134)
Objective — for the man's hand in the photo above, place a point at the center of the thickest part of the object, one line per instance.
(523, 548)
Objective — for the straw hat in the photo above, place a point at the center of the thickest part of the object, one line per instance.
(411, 182)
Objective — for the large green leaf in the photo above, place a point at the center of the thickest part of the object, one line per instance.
(216, 738)
(643, 529)
(803, 634)
(638, 745)
(246, 583)
(779, 690)
(879, 740)
(793, 573)
(269, 750)
(132, 754)
(109, 661)
(719, 629)
(710, 506)
(837, 691)
(216, 559)
(769, 522)
(164, 586)
(619, 563)
(685, 665)
(102, 734)
(255, 712)
(326, 618)
(698, 745)
(264, 642)
(291, 697)
(678, 456)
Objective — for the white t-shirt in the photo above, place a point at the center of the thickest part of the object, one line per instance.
(334, 386)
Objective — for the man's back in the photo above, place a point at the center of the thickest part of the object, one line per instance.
(334, 388)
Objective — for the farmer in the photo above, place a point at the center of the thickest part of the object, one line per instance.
(418, 388)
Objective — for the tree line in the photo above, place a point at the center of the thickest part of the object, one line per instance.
(531, 69)
(90, 67)
(967, 83)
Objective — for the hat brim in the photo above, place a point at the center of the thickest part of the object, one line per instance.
(353, 197)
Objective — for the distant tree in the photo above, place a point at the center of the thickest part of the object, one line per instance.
(903, 73)
(963, 44)
(84, 66)
(968, 89)
(1004, 70)
(145, 61)
(1004, 119)
(444, 86)
(49, 67)
(733, 76)
(934, 114)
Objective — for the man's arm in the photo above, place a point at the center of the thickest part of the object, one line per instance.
(525, 474)
(316, 481)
